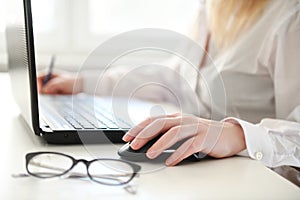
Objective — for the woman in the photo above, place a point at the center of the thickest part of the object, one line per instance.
(255, 44)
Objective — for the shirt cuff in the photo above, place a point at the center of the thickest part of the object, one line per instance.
(258, 142)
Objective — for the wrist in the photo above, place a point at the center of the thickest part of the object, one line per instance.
(238, 137)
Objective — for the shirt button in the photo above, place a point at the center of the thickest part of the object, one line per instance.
(259, 155)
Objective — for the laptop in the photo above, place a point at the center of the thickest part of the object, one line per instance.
(63, 119)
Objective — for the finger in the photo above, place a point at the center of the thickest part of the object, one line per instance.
(159, 126)
(54, 86)
(130, 135)
(171, 137)
(40, 82)
(204, 141)
(40, 85)
(133, 132)
(43, 76)
(192, 145)
(154, 129)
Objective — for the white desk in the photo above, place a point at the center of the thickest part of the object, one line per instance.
(233, 178)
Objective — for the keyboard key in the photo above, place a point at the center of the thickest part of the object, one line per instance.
(85, 115)
(74, 123)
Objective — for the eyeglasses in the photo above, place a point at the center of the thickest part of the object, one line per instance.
(104, 171)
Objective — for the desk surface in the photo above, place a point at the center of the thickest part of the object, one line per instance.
(232, 178)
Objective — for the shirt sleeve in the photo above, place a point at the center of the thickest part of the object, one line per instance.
(276, 142)
(138, 82)
(151, 82)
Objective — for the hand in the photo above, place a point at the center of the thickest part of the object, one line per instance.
(217, 139)
(63, 83)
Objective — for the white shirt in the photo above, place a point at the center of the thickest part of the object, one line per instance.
(254, 83)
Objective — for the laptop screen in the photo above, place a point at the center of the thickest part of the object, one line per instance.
(21, 62)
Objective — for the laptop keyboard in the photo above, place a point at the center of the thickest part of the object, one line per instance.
(84, 115)
(90, 117)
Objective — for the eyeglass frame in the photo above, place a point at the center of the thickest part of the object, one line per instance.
(136, 168)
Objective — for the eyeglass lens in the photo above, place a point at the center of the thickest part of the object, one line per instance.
(49, 165)
(110, 172)
(105, 171)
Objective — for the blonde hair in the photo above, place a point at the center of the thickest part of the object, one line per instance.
(227, 19)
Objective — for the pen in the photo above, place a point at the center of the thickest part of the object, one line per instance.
(48, 76)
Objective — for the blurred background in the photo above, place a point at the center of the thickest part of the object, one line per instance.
(72, 29)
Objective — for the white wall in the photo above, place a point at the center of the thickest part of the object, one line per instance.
(71, 29)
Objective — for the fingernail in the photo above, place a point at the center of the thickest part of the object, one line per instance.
(126, 138)
(169, 161)
(135, 144)
(152, 154)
